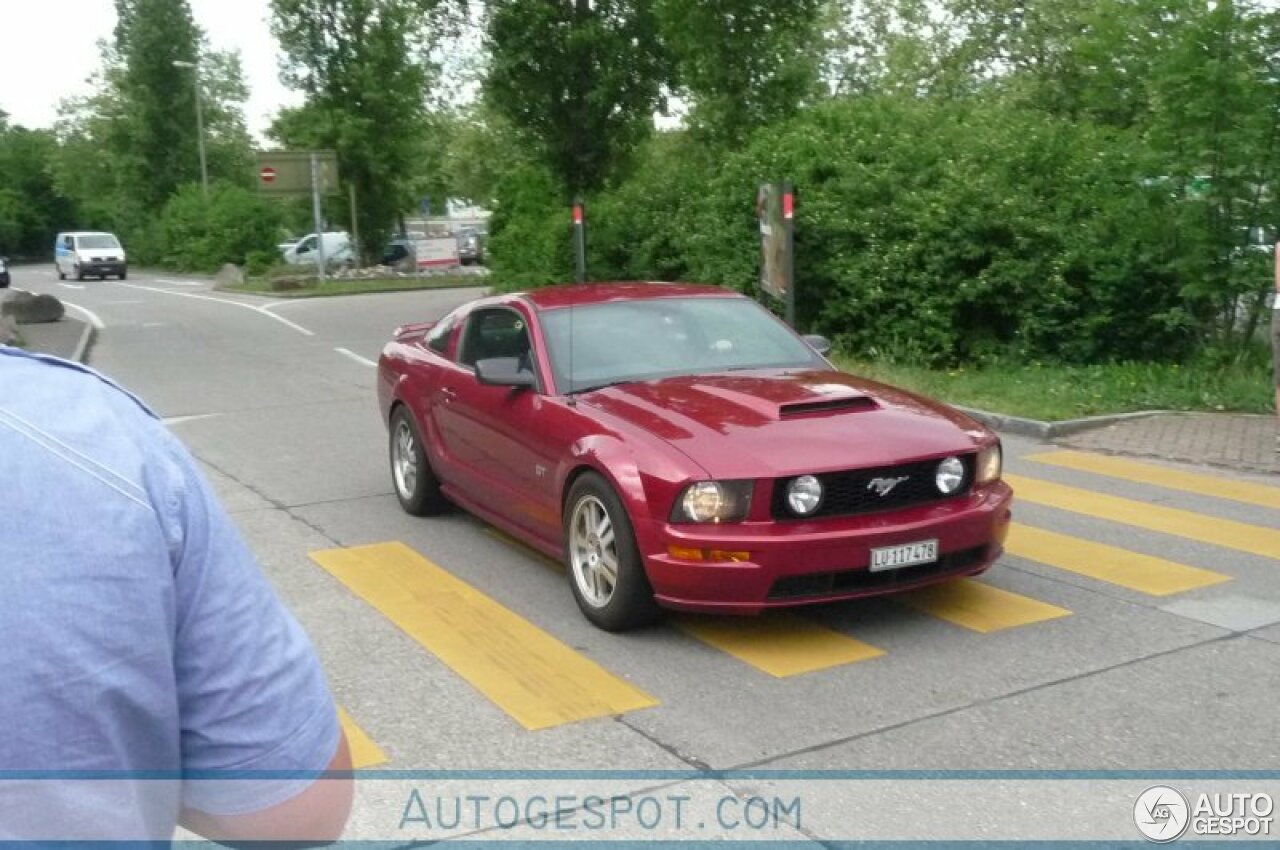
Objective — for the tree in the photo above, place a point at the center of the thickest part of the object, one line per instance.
(364, 69)
(742, 63)
(160, 130)
(578, 79)
(31, 207)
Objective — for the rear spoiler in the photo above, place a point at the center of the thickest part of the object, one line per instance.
(412, 329)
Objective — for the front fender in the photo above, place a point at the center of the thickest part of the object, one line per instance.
(647, 478)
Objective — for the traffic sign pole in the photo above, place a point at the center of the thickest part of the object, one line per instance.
(580, 239)
(315, 212)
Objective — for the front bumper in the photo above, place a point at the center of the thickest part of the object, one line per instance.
(105, 268)
(800, 563)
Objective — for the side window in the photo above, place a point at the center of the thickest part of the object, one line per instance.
(306, 245)
(496, 332)
(438, 337)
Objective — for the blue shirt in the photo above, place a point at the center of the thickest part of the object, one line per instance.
(137, 632)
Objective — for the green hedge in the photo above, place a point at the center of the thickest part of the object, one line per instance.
(926, 232)
(233, 225)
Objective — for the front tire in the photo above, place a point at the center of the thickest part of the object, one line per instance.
(124, 275)
(79, 273)
(61, 274)
(606, 572)
(415, 484)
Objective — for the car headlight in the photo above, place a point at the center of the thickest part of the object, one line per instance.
(713, 501)
(990, 463)
(804, 495)
(949, 476)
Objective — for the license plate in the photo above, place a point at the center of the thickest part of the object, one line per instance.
(906, 555)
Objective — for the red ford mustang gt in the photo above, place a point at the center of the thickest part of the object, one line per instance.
(678, 446)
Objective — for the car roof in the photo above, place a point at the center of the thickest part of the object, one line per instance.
(579, 294)
(66, 233)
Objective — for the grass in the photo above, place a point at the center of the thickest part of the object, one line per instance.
(1066, 392)
(314, 289)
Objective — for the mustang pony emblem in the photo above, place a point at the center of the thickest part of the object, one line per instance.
(883, 486)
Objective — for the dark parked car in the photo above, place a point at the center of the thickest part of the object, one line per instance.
(471, 246)
(396, 251)
(678, 446)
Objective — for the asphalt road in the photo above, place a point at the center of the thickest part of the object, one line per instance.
(1135, 624)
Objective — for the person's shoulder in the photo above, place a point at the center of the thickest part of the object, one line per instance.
(45, 368)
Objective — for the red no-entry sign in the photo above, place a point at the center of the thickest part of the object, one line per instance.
(268, 174)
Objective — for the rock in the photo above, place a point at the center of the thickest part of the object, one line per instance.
(26, 308)
(230, 275)
(9, 331)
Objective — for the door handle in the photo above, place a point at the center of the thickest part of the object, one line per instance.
(448, 395)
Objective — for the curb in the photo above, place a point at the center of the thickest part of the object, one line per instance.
(82, 347)
(303, 296)
(1049, 430)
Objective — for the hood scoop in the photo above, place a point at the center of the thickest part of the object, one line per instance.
(847, 404)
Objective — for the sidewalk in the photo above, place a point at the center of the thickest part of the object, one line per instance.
(1238, 441)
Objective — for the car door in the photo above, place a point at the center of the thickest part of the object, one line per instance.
(499, 433)
(65, 259)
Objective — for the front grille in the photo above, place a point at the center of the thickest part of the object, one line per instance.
(849, 492)
(852, 581)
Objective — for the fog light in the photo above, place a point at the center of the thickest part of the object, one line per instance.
(804, 495)
(950, 476)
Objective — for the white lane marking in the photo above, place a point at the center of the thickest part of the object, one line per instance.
(114, 301)
(89, 314)
(351, 355)
(155, 324)
(255, 308)
(179, 282)
(178, 420)
(72, 285)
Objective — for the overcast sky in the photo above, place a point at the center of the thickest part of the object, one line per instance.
(48, 51)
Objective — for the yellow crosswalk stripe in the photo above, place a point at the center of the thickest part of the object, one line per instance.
(1143, 573)
(980, 607)
(536, 679)
(778, 644)
(1162, 476)
(364, 752)
(1243, 537)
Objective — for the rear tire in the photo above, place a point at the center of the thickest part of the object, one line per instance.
(606, 572)
(415, 484)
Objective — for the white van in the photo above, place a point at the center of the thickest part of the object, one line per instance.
(89, 254)
(337, 250)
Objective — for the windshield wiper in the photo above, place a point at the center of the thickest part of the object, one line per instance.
(593, 387)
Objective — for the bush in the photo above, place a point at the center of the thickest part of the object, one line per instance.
(231, 226)
(926, 232)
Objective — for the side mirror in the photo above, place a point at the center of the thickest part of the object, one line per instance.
(504, 372)
(818, 343)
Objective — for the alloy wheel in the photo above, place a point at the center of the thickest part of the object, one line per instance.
(593, 551)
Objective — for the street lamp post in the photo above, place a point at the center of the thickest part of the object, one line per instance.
(204, 162)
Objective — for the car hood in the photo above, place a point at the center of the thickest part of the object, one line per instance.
(776, 423)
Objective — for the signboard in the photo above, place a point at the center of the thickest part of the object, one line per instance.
(775, 209)
(437, 252)
(289, 172)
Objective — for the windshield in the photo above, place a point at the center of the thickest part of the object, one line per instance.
(663, 337)
(100, 242)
